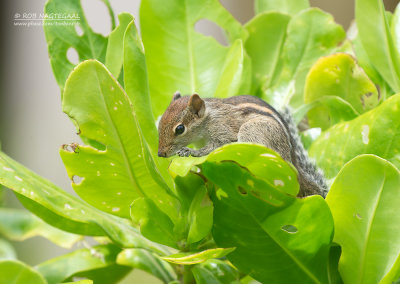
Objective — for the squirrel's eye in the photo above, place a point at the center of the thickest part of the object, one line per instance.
(179, 129)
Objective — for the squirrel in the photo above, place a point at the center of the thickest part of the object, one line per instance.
(245, 118)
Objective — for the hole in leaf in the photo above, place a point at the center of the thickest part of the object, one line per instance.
(242, 191)
(72, 55)
(77, 179)
(95, 13)
(72, 148)
(240, 9)
(289, 229)
(78, 30)
(209, 28)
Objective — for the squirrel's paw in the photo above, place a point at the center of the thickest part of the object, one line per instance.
(184, 152)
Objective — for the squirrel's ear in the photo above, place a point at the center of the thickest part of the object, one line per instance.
(197, 105)
(176, 96)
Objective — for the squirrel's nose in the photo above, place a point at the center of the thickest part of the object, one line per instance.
(162, 154)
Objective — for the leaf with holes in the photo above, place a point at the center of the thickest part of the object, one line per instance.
(376, 132)
(310, 35)
(290, 7)
(264, 223)
(373, 26)
(116, 167)
(235, 78)
(215, 271)
(147, 261)
(115, 45)
(262, 162)
(16, 272)
(97, 263)
(364, 200)
(267, 34)
(189, 258)
(338, 75)
(19, 225)
(60, 37)
(178, 57)
(65, 211)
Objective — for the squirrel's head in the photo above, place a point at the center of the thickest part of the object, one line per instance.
(178, 126)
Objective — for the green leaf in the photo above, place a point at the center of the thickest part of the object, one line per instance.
(338, 75)
(267, 34)
(7, 251)
(190, 258)
(373, 27)
(291, 7)
(16, 272)
(20, 225)
(364, 203)
(262, 162)
(310, 35)
(154, 224)
(115, 49)
(234, 72)
(178, 57)
(364, 61)
(100, 259)
(147, 261)
(61, 37)
(65, 211)
(278, 238)
(336, 110)
(116, 167)
(214, 271)
(137, 89)
(200, 216)
(375, 132)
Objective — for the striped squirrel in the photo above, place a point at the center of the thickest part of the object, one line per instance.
(190, 119)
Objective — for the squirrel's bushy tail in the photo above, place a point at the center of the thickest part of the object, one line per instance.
(303, 162)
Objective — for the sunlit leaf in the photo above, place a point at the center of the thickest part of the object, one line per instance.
(290, 7)
(375, 132)
(116, 167)
(16, 272)
(364, 204)
(199, 257)
(178, 57)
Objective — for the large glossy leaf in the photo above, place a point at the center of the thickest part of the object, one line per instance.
(310, 35)
(116, 167)
(16, 272)
(278, 238)
(267, 34)
(178, 57)
(373, 27)
(65, 211)
(98, 259)
(290, 7)
(338, 75)
(198, 257)
(137, 89)
(147, 261)
(214, 271)
(376, 132)
(262, 162)
(115, 45)
(62, 35)
(364, 203)
(20, 225)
